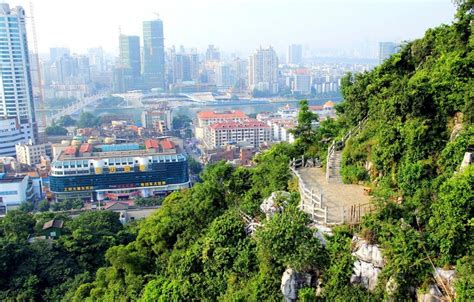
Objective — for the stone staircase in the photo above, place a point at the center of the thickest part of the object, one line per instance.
(334, 158)
(334, 167)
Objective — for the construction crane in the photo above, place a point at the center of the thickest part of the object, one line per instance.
(38, 70)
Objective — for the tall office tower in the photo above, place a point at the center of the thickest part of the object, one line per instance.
(295, 54)
(66, 67)
(130, 54)
(57, 52)
(194, 66)
(212, 53)
(96, 59)
(83, 68)
(263, 70)
(386, 49)
(16, 93)
(239, 68)
(153, 54)
(224, 77)
(185, 67)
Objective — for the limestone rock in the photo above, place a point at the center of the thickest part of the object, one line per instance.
(445, 279)
(467, 160)
(322, 232)
(274, 203)
(433, 295)
(368, 265)
(368, 252)
(366, 274)
(291, 282)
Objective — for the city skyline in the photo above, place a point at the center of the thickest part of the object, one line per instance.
(342, 27)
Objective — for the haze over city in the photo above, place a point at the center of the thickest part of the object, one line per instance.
(238, 26)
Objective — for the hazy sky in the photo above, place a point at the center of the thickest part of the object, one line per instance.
(234, 25)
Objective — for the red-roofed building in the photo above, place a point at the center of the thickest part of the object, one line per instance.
(167, 144)
(151, 144)
(206, 118)
(85, 148)
(316, 108)
(71, 150)
(329, 105)
(250, 131)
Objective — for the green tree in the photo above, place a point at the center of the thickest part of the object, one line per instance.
(88, 120)
(181, 121)
(288, 241)
(56, 130)
(17, 225)
(305, 132)
(90, 235)
(43, 206)
(66, 121)
(452, 212)
(194, 166)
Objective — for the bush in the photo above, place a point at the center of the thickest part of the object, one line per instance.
(353, 174)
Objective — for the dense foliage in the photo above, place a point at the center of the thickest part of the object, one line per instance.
(47, 270)
(56, 130)
(88, 120)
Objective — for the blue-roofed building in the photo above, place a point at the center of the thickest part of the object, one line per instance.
(121, 171)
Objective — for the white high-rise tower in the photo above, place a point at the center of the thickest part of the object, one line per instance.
(16, 94)
(263, 70)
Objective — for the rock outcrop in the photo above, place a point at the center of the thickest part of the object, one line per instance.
(322, 232)
(291, 282)
(274, 203)
(368, 265)
(433, 294)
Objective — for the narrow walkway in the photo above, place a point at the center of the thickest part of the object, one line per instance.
(337, 197)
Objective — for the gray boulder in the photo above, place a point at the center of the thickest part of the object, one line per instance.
(368, 265)
(291, 282)
(274, 203)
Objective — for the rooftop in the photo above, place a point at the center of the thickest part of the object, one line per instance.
(238, 125)
(150, 147)
(54, 223)
(223, 115)
(329, 104)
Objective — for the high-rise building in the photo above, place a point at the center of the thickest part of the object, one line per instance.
(185, 67)
(386, 49)
(252, 132)
(66, 66)
(153, 54)
(301, 83)
(295, 54)
(224, 77)
(130, 54)
(16, 92)
(212, 53)
(96, 59)
(263, 70)
(57, 52)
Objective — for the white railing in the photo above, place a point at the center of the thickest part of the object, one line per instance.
(311, 201)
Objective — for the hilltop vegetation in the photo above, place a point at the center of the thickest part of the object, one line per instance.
(420, 111)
